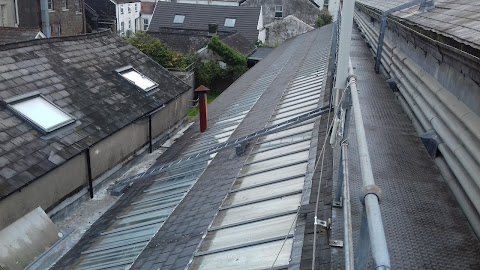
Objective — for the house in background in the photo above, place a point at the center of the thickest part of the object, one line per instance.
(331, 5)
(305, 10)
(146, 13)
(18, 34)
(188, 26)
(71, 109)
(208, 2)
(56, 17)
(7, 13)
(121, 16)
(280, 30)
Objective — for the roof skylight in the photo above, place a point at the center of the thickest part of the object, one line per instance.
(40, 112)
(229, 22)
(138, 79)
(179, 19)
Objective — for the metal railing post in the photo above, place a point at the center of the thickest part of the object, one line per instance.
(347, 212)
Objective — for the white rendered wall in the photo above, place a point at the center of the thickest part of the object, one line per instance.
(132, 17)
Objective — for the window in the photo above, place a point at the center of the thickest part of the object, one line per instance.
(325, 4)
(137, 79)
(3, 15)
(129, 24)
(278, 11)
(136, 7)
(40, 112)
(50, 4)
(145, 24)
(65, 4)
(129, 9)
(122, 27)
(121, 9)
(229, 22)
(77, 6)
(178, 19)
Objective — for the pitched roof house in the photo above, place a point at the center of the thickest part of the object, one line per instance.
(122, 16)
(17, 34)
(305, 10)
(72, 108)
(189, 17)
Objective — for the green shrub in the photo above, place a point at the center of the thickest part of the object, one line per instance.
(159, 51)
(324, 18)
(231, 56)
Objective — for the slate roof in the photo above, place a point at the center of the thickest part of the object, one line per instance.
(185, 41)
(190, 41)
(147, 7)
(240, 43)
(457, 19)
(17, 34)
(197, 17)
(260, 53)
(311, 1)
(77, 74)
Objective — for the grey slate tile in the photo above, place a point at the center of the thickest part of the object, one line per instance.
(64, 70)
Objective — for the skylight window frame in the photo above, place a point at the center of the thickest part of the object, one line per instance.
(181, 19)
(129, 68)
(230, 20)
(36, 94)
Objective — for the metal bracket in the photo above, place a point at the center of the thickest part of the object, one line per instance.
(337, 204)
(371, 189)
(323, 223)
(240, 148)
(335, 243)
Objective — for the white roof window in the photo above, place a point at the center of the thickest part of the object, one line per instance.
(178, 18)
(136, 78)
(229, 22)
(40, 112)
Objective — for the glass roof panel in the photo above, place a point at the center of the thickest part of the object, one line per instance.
(255, 257)
(42, 113)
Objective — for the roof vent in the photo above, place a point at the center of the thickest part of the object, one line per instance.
(212, 29)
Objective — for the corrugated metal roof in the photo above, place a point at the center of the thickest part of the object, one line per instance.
(457, 19)
(254, 226)
(197, 17)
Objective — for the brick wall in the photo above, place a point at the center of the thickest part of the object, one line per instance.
(67, 21)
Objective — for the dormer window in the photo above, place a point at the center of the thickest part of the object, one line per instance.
(136, 78)
(43, 114)
(178, 18)
(229, 22)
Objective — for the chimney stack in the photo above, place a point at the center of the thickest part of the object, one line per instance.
(212, 29)
(202, 106)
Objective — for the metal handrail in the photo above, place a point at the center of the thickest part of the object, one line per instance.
(372, 234)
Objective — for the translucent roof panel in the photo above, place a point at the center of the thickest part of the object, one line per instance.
(255, 257)
(42, 113)
(178, 18)
(229, 22)
(139, 80)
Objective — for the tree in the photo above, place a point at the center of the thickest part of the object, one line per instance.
(159, 51)
(324, 18)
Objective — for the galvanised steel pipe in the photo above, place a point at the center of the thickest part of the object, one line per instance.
(347, 213)
(378, 241)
